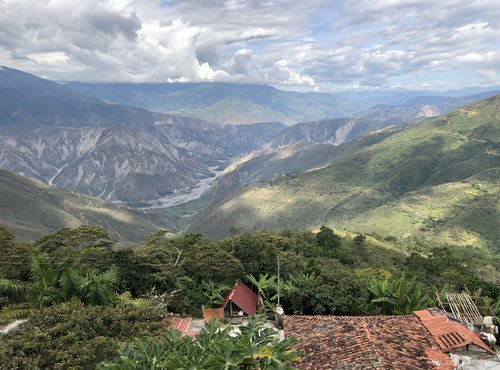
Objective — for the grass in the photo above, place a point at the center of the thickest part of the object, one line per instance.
(31, 209)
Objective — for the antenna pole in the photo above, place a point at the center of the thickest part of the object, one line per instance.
(278, 280)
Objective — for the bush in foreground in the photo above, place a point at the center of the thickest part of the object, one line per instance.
(214, 348)
(75, 336)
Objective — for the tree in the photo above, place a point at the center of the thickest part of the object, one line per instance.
(266, 285)
(68, 240)
(90, 286)
(161, 261)
(297, 292)
(490, 307)
(233, 230)
(214, 263)
(133, 274)
(15, 256)
(254, 251)
(44, 287)
(360, 240)
(339, 292)
(52, 284)
(327, 238)
(11, 291)
(458, 267)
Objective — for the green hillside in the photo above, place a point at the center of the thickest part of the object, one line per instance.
(434, 183)
(235, 111)
(30, 209)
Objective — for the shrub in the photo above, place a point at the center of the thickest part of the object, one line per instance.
(74, 336)
(215, 347)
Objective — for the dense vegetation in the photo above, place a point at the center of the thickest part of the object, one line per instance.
(214, 348)
(65, 278)
(75, 336)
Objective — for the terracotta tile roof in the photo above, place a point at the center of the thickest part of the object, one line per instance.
(181, 324)
(365, 342)
(448, 334)
(186, 325)
(243, 297)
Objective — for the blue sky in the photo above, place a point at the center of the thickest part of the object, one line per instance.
(311, 45)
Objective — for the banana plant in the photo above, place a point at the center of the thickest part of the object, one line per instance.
(401, 296)
(265, 285)
(214, 292)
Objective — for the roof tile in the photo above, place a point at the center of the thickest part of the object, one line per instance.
(449, 334)
(181, 324)
(365, 343)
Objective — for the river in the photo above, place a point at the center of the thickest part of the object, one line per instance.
(187, 196)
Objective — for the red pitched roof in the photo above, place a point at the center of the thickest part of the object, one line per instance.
(448, 334)
(243, 297)
(365, 342)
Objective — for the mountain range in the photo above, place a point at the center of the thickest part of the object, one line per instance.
(128, 154)
(52, 133)
(382, 169)
(227, 103)
(223, 103)
(437, 182)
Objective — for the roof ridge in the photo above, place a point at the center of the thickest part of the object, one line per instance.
(370, 340)
(371, 317)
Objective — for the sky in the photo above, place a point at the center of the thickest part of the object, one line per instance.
(304, 45)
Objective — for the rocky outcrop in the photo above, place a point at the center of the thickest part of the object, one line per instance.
(55, 134)
(131, 164)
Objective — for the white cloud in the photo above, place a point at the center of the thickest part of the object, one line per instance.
(478, 58)
(290, 77)
(298, 44)
(489, 76)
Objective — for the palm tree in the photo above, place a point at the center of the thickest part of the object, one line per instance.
(44, 287)
(13, 288)
(95, 288)
(51, 285)
(28, 296)
(15, 291)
